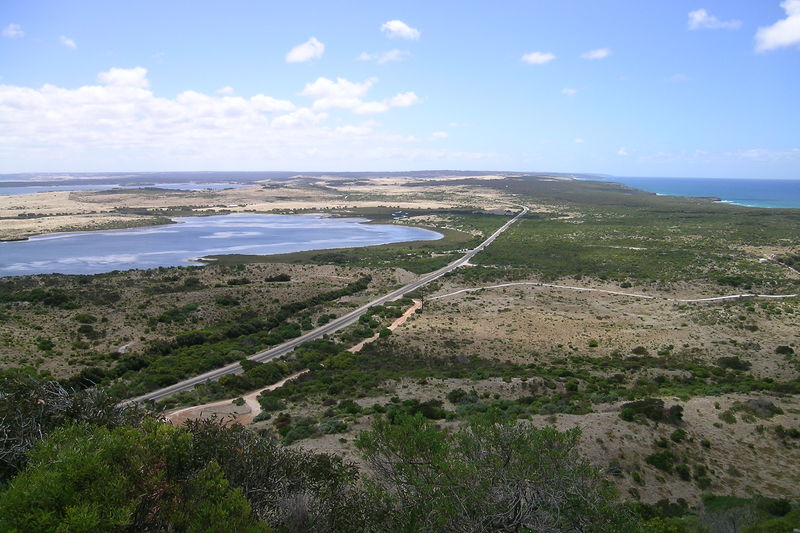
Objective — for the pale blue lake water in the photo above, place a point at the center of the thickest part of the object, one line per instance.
(93, 252)
(188, 186)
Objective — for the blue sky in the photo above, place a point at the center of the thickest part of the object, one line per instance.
(703, 88)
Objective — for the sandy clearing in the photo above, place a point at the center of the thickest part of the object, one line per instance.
(225, 409)
(397, 322)
(618, 293)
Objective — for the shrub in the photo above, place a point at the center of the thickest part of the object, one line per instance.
(349, 406)
(683, 472)
(733, 363)
(674, 414)
(85, 478)
(652, 408)
(458, 396)
(303, 428)
(31, 407)
(678, 435)
(45, 344)
(703, 482)
(470, 480)
(332, 426)
(271, 403)
(640, 350)
(262, 416)
(662, 460)
(784, 350)
(85, 318)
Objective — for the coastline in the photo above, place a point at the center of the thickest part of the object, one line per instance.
(742, 192)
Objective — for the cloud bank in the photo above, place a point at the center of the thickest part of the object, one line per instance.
(120, 124)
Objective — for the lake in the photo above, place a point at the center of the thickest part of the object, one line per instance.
(180, 244)
(14, 190)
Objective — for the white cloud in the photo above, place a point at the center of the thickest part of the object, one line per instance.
(301, 118)
(345, 94)
(385, 57)
(765, 155)
(677, 78)
(311, 49)
(13, 31)
(66, 41)
(538, 58)
(569, 92)
(226, 91)
(440, 135)
(268, 104)
(579, 140)
(125, 77)
(785, 32)
(399, 29)
(365, 128)
(622, 152)
(700, 19)
(341, 93)
(120, 123)
(598, 53)
(406, 99)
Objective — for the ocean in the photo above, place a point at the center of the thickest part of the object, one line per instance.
(748, 192)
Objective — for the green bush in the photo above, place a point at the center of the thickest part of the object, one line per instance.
(95, 479)
(734, 363)
(85, 318)
(262, 416)
(679, 435)
(455, 481)
(662, 460)
(271, 403)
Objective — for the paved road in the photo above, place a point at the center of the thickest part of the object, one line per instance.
(330, 327)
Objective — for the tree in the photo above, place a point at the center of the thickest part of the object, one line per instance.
(488, 476)
(32, 406)
(84, 478)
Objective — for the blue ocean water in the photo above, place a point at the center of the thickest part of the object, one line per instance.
(92, 252)
(748, 192)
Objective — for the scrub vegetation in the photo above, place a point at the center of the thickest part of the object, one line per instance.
(517, 408)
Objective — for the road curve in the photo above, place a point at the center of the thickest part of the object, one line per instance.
(330, 327)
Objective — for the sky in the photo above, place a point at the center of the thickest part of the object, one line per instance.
(705, 88)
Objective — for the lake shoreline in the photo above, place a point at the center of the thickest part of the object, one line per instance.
(191, 241)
